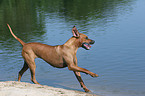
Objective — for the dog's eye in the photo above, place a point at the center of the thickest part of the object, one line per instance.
(86, 37)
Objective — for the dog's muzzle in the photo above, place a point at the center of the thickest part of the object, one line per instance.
(92, 42)
(87, 46)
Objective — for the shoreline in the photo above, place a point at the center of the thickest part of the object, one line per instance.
(15, 88)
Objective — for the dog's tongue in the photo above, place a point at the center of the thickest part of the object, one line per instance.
(87, 46)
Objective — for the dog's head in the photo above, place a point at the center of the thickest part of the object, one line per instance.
(85, 42)
(82, 39)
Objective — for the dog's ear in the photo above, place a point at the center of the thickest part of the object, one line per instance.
(75, 32)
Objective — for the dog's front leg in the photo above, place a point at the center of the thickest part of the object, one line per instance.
(73, 66)
(78, 76)
(79, 69)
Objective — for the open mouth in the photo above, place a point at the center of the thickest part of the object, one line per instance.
(86, 46)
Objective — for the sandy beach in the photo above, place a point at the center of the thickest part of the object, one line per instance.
(14, 88)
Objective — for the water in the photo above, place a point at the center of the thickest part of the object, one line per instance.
(117, 55)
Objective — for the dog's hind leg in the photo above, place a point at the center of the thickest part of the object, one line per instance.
(21, 72)
(29, 57)
(32, 70)
(32, 67)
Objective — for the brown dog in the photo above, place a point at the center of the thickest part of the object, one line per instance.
(59, 56)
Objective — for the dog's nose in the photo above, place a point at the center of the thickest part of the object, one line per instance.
(92, 42)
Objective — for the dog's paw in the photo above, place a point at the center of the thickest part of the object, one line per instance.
(86, 90)
(94, 75)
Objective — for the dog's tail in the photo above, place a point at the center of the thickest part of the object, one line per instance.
(23, 43)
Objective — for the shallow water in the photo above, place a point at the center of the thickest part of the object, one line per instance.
(118, 55)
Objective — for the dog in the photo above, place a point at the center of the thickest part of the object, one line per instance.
(59, 56)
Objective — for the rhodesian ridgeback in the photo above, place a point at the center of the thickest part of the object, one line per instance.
(59, 56)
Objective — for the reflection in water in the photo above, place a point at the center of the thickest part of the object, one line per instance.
(117, 55)
(29, 18)
(24, 14)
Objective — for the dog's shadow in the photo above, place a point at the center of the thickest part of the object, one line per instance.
(65, 87)
(57, 84)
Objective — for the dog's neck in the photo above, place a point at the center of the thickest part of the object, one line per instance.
(73, 43)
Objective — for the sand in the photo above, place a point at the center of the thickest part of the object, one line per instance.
(14, 88)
